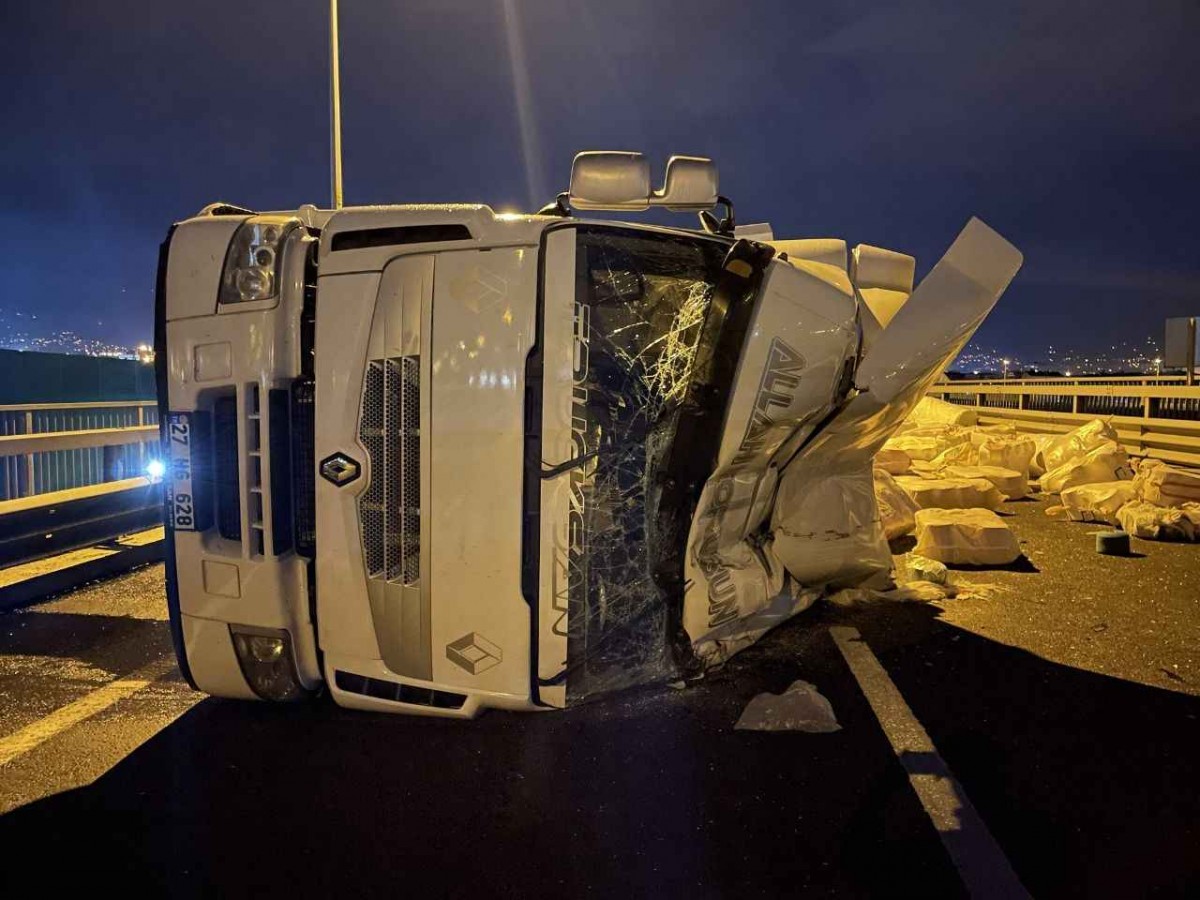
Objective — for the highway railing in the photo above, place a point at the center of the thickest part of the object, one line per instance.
(75, 501)
(47, 447)
(1154, 416)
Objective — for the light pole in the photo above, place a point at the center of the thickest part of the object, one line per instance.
(1006, 362)
(1158, 367)
(335, 108)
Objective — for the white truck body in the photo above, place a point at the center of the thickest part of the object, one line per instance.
(436, 459)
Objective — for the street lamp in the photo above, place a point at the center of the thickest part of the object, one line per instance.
(1158, 366)
(1006, 362)
(335, 109)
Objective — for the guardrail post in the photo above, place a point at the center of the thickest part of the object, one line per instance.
(30, 490)
(141, 449)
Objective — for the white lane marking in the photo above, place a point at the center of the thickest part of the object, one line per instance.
(21, 742)
(981, 863)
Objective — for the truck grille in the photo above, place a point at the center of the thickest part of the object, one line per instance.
(226, 473)
(389, 510)
(304, 500)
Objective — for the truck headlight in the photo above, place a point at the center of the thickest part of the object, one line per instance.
(265, 655)
(252, 263)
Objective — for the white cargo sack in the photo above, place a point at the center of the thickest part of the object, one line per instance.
(932, 411)
(897, 511)
(1040, 443)
(1011, 484)
(894, 462)
(1164, 485)
(951, 493)
(1058, 450)
(1160, 523)
(982, 433)
(914, 447)
(937, 438)
(1007, 452)
(827, 530)
(1098, 502)
(1106, 461)
(960, 454)
(965, 537)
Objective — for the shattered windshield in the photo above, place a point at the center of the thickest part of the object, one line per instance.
(641, 300)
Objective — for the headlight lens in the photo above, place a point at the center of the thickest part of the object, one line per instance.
(252, 264)
(265, 655)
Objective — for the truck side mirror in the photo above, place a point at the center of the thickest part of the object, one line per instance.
(606, 179)
(690, 183)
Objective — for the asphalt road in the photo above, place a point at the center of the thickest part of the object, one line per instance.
(1067, 705)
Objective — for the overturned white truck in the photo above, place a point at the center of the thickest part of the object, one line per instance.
(438, 459)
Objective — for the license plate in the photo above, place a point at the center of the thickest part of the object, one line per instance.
(179, 472)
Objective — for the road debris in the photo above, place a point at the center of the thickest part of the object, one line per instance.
(800, 708)
(1112, 543)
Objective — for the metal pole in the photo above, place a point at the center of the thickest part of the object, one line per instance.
(1191, 353)
(335, 107)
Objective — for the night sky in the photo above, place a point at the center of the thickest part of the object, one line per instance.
(1073, 128)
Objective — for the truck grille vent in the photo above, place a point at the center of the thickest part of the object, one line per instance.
(304, 501)
(397, 692)
(254, 447)
(389, 509)
(226, 481)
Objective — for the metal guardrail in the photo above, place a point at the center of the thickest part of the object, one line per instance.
(48, 524)
(1154, 416)
(47, 447)
(74, 505)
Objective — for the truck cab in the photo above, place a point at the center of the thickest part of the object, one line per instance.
(435, 459)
